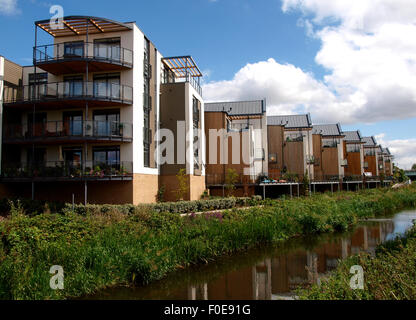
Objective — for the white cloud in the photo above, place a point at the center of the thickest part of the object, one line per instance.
(369, 51)
(403, 150)
(9, 7)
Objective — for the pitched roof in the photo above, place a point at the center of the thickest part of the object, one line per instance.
(238, 108)
(327, 129)
(369, 142)
(353, 136)
(291, 121)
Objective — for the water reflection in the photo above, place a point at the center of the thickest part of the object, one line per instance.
(271, 272)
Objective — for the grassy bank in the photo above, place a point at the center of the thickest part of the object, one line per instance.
(389, 275)
(111, 248)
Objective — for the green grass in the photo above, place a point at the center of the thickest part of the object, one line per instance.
(390, 275)
(108, 249)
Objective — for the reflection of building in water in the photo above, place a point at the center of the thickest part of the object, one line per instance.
(276, 277)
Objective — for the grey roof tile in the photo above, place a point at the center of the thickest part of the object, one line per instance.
(291, 121)
(369, 142)
(327, 129)
(238, 108)
(352, 136)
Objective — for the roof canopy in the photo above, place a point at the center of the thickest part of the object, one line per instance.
(78, 25)
(328, 130)
(183, 66)
(238, 108)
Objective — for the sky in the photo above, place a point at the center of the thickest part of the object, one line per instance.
(352, 62)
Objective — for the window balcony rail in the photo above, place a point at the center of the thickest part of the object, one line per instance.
(294, 138)
(100, 52)
(327, 178)
(237, 127)
(329, 144)
(70, 170)
(369, 153)
(353, 178)
(71, 90)
(94, 130)
(353, 149)
(220, 179)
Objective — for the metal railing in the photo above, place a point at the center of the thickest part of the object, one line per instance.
(70, 90)
(87, 50)
(69, 169)
(220, 179)
(69, 129)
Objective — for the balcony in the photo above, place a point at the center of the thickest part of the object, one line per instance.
(69, 95)
(70, 58)
(68, 132)
(65, 170)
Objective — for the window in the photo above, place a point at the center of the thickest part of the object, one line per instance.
(273, 158)
(353, 148)
(196, 125)
(74, 49)
(294, 137)
(330, 143)
(72, 156)
(73, 123)
(73, 86)
(109, 48)
(41, 80)
(107, 85)
(107, 123)
(38, 157)
(109, 156)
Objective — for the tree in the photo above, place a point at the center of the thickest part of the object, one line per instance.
(183, 185)
(414, 167)
(231, 179)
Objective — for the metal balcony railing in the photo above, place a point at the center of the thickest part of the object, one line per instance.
(71, 90)
(69, 169)
(220, 179)
(83, 51)
(94, 130)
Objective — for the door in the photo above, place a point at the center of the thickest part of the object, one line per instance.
(38, 127)
(107, 123)
(107, 49)
(73, 86)
(73, 123)
(73, 160)
(107, 85)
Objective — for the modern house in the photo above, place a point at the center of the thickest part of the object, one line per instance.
(236, 134)
(290, 146)
(388, 162)
(370, 157)
(328, 151)
(83, 122)
(354, 150)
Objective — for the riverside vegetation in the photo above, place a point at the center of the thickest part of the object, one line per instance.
(107, 247)
(389, 275)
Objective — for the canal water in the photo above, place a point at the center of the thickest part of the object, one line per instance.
(268, 272)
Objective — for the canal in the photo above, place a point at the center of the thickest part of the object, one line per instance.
(268, 272)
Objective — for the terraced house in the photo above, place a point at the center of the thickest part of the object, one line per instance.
(354, 150)
(82, 122)
(328, 151)
(236, 134)
(370, 156)
(290, 146)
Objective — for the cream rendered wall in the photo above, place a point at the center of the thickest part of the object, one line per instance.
(190, 92)
(340, 148)
(1, 104)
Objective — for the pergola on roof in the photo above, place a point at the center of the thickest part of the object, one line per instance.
(183, 66)
(78, 25)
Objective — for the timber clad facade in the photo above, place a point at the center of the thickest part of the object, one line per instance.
(290, 145)
(103, 117)
(84, 118)
(328, 149)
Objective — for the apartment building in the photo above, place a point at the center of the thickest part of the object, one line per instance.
(370, 156)
(290, 146)
(354, 150)
(83, 123)
(236, 134)
(388, 162)
(328, 151)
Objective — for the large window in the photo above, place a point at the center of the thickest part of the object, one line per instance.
(106, 156)
(40, 80)
(107, 85)
(106, 123)
(353, 148)
(73, 123)
(74, 49)
(147, 135)
(196, 126)
(108, 48)
(73, 86)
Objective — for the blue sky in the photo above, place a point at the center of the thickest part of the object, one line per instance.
(287, 48)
